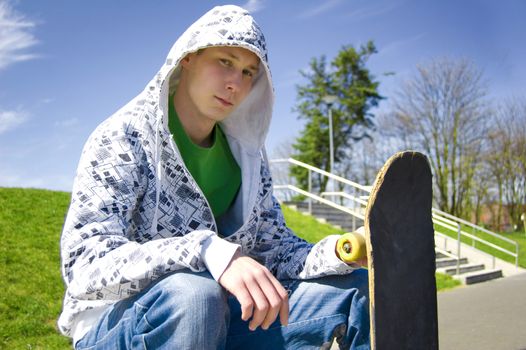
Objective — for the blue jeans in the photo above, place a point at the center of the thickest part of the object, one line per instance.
(186, 310)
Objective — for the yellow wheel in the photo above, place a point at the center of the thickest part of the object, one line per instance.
(351, 247)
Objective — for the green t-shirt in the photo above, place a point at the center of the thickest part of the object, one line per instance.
(214, 169)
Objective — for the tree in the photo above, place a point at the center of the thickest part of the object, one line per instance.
(507, 159)
(443, 112)
(350, 81)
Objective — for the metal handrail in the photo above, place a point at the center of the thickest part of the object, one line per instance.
(322, 172)
(445, 216)
(467, 223)
(320, 199)
(439, 217)
(345, 195)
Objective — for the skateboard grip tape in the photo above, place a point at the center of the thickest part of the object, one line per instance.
(351, 247)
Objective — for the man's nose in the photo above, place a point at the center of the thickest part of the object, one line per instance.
(234, 81)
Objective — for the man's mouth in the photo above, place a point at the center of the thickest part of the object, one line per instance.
(224, 102)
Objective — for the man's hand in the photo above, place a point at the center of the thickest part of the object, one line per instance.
(260, 294)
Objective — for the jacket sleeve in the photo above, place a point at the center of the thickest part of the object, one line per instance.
(286, 255)
(101, 258)
(289, 257)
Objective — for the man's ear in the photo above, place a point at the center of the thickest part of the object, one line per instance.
(185, 62)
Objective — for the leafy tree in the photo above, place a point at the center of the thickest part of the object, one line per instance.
(506, 157)
(442, 110)
(348, 79)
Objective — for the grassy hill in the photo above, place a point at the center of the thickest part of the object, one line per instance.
(30, 226)
(31, 299)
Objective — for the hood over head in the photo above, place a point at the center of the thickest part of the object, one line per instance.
(227, 25)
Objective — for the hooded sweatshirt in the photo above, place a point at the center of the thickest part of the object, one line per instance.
(137, 214)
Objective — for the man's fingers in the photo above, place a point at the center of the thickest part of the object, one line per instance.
(284, 313)
(261, 304)
(274, 300)
(260, 294)
(246, 302)
(279, 301)
(284, 306)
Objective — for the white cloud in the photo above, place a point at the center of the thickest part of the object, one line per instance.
(16, 177)
(15, 36)
(318, 10)
(9, 180)
(374, 11)
(253, 6)
(398, 45)
(10, 177)
(66, 122)
(11, 119)
(47, 100)
(289, 79)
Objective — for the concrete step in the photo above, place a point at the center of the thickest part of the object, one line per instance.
(445, 262)
(439, 255)
(330, 213)
(317, 208)
(347, 227)
(465, 268)
(334, 217)
(479, 276)
(341, 219)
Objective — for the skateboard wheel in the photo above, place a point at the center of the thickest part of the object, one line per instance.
(351, 247)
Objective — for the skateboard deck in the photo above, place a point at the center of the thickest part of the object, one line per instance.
(399, 239)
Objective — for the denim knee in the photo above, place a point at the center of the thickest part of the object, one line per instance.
(194, 294)
(357, 281)
(186, 310)
(360, 281)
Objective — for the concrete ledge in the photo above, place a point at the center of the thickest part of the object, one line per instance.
(445, 262)
(465, 268)
(477, 277)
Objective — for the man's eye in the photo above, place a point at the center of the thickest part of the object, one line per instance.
(248, 73)
(225, 62)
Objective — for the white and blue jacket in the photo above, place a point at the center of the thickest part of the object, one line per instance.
(137, 214)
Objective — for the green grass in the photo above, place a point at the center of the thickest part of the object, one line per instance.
(519, 237)
(445, 282)
(32, 288)
(307, 227)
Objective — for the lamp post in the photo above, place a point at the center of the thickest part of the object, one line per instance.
(329, 100)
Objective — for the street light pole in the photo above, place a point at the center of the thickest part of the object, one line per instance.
(329, 100)
(331, 142)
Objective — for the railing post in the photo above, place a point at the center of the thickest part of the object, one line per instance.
(310, 191)
(353, 204)
(458, 249)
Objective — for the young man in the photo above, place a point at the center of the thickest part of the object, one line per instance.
(173, 239)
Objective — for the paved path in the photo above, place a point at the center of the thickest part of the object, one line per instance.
(489, 315)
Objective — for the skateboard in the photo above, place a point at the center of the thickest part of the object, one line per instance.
(399, 243)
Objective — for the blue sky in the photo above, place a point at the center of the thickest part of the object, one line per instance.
(67, 65)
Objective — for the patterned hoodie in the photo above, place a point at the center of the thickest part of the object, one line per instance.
(137, 214)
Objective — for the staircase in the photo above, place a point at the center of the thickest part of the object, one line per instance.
(325, 213)
(463, 270)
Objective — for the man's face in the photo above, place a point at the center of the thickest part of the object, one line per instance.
(218, 80)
